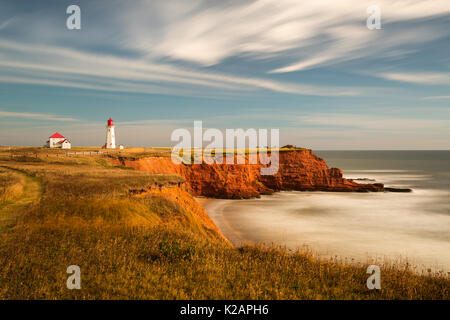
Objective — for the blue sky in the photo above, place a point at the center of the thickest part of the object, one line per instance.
(310, 68)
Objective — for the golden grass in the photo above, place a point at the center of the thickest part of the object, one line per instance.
(11, 185)
(26, 191)
(133, 244)
(39, 154)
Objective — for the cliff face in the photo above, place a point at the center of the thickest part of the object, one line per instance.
(189, 212)
(304, 171)
(298, 170)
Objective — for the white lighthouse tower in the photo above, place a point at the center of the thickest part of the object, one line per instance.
(110, 135)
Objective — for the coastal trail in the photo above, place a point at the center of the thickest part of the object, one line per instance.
(11, 210)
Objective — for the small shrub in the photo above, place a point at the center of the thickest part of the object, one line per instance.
(173, 250)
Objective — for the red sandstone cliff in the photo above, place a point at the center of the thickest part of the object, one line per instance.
(298, 170)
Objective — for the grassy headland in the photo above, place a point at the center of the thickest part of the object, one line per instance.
(137, 235)
(11, 185)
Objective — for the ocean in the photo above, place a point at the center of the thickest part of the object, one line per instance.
(358, 227)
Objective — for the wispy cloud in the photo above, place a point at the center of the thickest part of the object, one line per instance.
(51, 65)
(237, 52)
(436, 98)
(5, 23)
(310, 33)
(381, 123)
(35, 116)
(296, 35)
(418, 77)
(358, 131)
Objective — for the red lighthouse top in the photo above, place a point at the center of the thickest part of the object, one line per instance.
(110, 122)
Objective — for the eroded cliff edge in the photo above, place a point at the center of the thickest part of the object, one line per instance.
(299, 170)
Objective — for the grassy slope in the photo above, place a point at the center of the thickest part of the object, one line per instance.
(18, 191)
(11, 185)
(159, 245)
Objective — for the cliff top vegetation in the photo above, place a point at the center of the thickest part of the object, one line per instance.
(137, 235)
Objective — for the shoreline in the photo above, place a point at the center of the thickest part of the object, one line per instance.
(216, 209)
(211, 206)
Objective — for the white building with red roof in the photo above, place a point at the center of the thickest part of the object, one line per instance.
(58, 141)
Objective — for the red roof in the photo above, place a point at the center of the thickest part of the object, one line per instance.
(56, 135)
(110, 122)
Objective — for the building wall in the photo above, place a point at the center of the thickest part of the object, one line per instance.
(110, 138)
(54, 142)
(66, 145)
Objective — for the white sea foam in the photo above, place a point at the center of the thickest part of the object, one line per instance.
(356, 225)
(381, 171)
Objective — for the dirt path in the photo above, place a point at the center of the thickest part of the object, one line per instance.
(10, 211)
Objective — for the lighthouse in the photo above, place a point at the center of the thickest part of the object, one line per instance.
(110, 135)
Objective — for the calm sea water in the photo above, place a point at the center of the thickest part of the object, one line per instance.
(413, 227)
